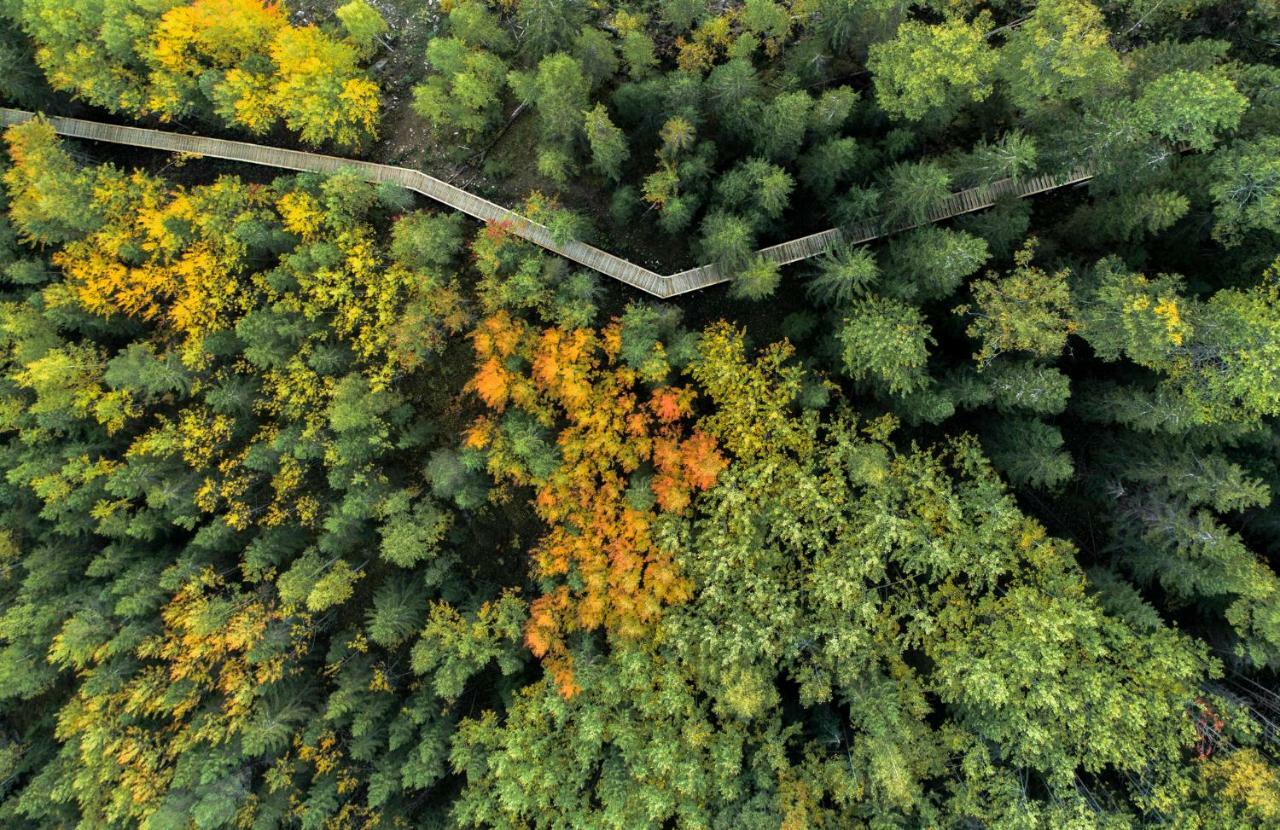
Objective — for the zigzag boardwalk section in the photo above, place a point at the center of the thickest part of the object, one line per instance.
(429, 186)
(816, 244)
(657, 285)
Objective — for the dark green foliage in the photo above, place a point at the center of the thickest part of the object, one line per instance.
(20, 79)
(728, 241)
(757, 280)
(1012, 386)
(824, 167)
(595, 53)
(548, 26)
(843, 275)
(1003, 226)
(931, 262)
(913, 190)
(1028, 451)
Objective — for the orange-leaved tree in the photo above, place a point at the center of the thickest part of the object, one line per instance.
(623, 453)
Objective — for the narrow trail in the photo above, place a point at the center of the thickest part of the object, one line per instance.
(657, 285)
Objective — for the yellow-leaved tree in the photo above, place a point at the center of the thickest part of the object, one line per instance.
(244, 62)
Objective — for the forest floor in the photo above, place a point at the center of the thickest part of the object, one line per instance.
(505, 170)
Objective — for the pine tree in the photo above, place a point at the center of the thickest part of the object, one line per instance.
(548, 26)
(913, 191)
(1246, 189)
(595, 52)
(931, 262)
(609, 149)
(728, 240)
(886, 341)
(757, 280)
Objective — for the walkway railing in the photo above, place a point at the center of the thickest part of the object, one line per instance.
(658, 285)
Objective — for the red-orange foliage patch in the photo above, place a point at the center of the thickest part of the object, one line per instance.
(573, 381)
(497, 232)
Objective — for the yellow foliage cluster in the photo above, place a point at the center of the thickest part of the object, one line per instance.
(1246, 780)
(301, 214)
(311, 81)
(198, 686)
(1167, 310)
(163, 255)
(736, 33)
(1163, 308)
(709, 41)
(190, 38)
(309, 64)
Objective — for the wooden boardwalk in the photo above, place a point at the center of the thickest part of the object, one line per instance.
(657, 285)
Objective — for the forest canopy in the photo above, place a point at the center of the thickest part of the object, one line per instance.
(325, 507)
